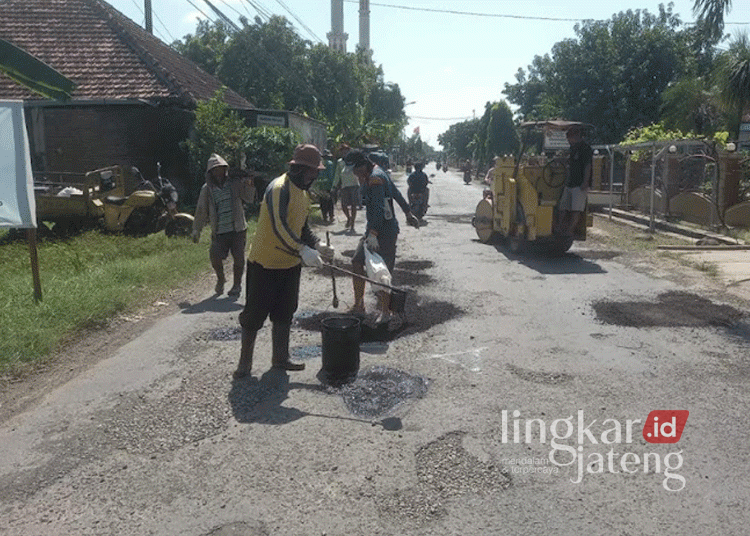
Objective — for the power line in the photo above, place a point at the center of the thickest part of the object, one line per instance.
(309, 31)
(439, 118)
(202, 12)
(224, 18)
(494, 15)
(161, 35)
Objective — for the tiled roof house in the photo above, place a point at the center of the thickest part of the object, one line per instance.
(134, 95)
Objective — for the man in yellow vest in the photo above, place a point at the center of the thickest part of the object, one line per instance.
(283, 242)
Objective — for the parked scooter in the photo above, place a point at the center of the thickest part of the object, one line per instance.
(149, 209)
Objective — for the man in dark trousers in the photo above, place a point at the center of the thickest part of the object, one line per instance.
(573, 199)
(283, 242)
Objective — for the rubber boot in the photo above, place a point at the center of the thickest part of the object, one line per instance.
(280, 348)
(220, 280)
(236, 289)
(246, 353)
(359, 296)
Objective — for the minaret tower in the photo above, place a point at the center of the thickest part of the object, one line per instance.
(337, 37)
(364, 24)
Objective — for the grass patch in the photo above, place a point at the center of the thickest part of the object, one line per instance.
(86, 281)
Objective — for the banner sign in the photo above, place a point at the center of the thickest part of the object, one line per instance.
(17, 206)
(555, 139)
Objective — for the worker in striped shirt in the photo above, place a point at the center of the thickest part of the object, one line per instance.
(220, 204)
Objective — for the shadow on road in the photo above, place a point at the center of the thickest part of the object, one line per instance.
(568, 263)
(259, 400)
(214, 304)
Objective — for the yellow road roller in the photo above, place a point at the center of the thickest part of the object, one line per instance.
(520, 204)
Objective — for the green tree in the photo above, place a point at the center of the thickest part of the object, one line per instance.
(733, 78)
(496, 134)
(612, 75)
(458, 138)
(712, 12)
(267, 149)
(205, 48)
(266, 64)
(273, 67)
(217, 129)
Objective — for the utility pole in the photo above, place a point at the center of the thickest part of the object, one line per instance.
(147, 12)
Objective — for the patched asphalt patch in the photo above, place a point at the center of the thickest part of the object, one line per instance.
(671, 309)
(233, 333)
(193, 409)
(545, 378)
(378, 391)
(445, 471)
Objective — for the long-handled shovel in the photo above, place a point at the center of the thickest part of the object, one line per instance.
(398, 295)
(333, 278)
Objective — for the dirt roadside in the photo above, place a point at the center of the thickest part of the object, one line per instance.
(85, 349)
(620, 241)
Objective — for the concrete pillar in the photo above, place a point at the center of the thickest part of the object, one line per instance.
(729, 179)
(336, 37)
(364, 24)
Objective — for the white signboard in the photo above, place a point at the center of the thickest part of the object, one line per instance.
(271, 120)
(17, 206)
(555, 139)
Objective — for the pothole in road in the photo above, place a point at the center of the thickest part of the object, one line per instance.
(545, 378)
(672, 309)
(445, 470)
(380, 390)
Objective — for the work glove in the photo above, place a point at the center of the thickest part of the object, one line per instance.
(326, 251)
(310, 257)
(412, 220)
(196, 237)
(372, 242)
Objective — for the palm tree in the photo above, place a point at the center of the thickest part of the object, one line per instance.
(734, 75)
(712, 13)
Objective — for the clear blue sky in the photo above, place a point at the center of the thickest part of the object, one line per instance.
(449, 57)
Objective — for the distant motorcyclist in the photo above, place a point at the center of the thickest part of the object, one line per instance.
(418, 182)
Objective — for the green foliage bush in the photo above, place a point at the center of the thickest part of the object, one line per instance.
(268, 149)
(217, 129)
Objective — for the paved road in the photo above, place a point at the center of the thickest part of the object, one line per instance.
(432, 439)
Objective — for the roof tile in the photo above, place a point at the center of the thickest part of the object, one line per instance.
(106, 54)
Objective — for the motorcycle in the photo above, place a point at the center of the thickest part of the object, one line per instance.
(467, 176)
(418, 203)
(149, 209)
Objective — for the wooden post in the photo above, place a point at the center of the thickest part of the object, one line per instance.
(31, 237)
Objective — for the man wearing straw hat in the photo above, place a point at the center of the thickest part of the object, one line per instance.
(220, 203)
(283, 242)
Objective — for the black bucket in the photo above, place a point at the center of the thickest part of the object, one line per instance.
(398, 301)
(340, 350)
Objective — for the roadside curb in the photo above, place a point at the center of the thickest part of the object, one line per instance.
(663, 225)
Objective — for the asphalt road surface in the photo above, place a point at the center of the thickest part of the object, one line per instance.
(512, 399)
